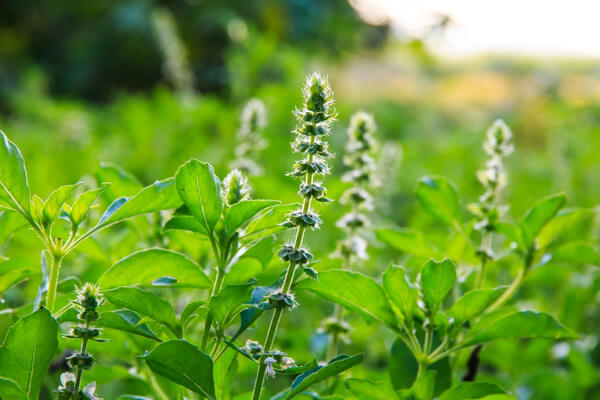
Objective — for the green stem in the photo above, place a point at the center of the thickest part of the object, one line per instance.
(332, 347)
(427, 341)
(55, 266)
(216, 288)
(486, 245)
(83, 349)
(510, 291)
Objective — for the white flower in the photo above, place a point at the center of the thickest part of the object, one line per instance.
(269, 361)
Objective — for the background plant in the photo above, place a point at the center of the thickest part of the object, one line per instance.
(250, 141)
(353, 248)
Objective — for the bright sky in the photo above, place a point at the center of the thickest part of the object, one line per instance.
(550, 27)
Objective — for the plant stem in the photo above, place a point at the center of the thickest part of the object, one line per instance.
(486, 245)
(427, 341)
(83, 349)
(338, 314)
(510, 291)
(216, 288)
(55, 265)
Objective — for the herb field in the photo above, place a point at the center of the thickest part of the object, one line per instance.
(307, 235)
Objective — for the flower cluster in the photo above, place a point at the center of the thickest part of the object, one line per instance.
(279, 299)
(235, 187)
(498, 144)
(314, 123)
(176, 65)
(252, 122)
(87, 302)
(272, 359)
(335, 326)
(359, 159)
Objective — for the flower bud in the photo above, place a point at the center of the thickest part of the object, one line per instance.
(299, 256)
(278, 299)
(89, 296)
(254, 348)
(498, 144)
(498, 141)
(305, 219)
(80, 360)
(353, 220)
(235, 187)
(250, 143)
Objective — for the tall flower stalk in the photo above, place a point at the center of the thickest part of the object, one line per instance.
(498, 145)
(250, 142)
(353, 248)
(315, 119)
(88, 300)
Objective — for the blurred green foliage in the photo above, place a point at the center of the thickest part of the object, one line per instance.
(93, 49)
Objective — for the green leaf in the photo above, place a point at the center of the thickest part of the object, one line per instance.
(334, 367)
(225, 369)
(27, 351)
(145, 266)
(564, 220)
(355, 291)
(226, 305)
(367, 390)
(298, 369)
(55, 201)
(132, 397)
(10, 222)
(161, 195)
(439, 197)
(473, 303)
(511, 232)
(200, 190)
(185, 223)
(520, 325)
(184, 364)
(402, 293)
(83, 203)
(189, 311)
(267, 223)
(126, 321)
(145, 303)
(437, 279)
(14, 188)
(471, 390)
(242, 213)
(539, 215)
(118, 182)
(406, 240)
(11, 278)
(251, 314)
(10, 390)
(574, 253)
(402, 366)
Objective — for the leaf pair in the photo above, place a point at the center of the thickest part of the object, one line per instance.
(202, 193)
